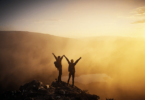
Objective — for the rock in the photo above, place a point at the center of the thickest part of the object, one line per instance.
(46, 86)
(66, 98)
(35, 90)
(58, 97)
(62, 92)
(29, 98)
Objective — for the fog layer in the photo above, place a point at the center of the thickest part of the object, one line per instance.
(25, 56)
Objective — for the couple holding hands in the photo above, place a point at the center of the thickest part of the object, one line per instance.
(71, 67)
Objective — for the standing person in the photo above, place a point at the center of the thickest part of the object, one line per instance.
(58, 65)
(71, 69)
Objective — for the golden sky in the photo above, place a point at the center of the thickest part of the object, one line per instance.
(76, 18)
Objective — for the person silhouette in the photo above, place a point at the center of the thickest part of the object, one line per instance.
(71, 69)
(58, 65)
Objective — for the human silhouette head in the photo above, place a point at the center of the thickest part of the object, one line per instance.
(72, 60)
(58, 57)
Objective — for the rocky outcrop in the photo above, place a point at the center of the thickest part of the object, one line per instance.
(36, 90)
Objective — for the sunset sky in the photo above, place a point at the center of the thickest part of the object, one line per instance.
(75, 18)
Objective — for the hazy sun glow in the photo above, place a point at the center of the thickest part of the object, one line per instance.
(111, 57)
(79, 18)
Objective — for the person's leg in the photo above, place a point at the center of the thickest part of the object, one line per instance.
(60, 75)
(56, 65)
(69, 77)
(73, 76)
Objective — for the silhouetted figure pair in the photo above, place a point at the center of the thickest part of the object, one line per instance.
(71, 67)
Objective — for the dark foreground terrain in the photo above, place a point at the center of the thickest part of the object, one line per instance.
(36, 90)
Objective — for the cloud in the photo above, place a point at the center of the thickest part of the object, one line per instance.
(139, 21)
(139, 13)
(48, 20)
(85, 79)
(10, 27)
(55, 20)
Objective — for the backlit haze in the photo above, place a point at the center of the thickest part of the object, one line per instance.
(109, 35)
(75, 18)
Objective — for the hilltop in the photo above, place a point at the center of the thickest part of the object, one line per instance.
(36, 90)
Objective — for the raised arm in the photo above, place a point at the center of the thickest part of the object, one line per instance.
(77, 61)
(61, 58)
(54, 56)
(67, 59)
